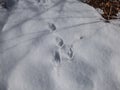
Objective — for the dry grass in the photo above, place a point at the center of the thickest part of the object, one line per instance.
(110, 8)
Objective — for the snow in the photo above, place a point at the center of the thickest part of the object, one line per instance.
(58, 45)
(3, 15)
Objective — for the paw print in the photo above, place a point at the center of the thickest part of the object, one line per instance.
(67, 51)
(52, 26)
(59, 41)
(57, 57)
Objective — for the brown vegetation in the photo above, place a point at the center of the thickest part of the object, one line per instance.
(110, 8)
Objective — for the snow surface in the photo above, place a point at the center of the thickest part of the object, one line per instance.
(58, 45)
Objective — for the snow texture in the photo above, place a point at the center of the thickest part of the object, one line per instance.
(58, 45)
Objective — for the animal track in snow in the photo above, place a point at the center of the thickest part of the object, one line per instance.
(66, 52)
(57, 57)
(52, 26)
(60, 41)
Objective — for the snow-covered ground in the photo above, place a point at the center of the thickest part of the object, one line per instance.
(3, 15)
(58, 45)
